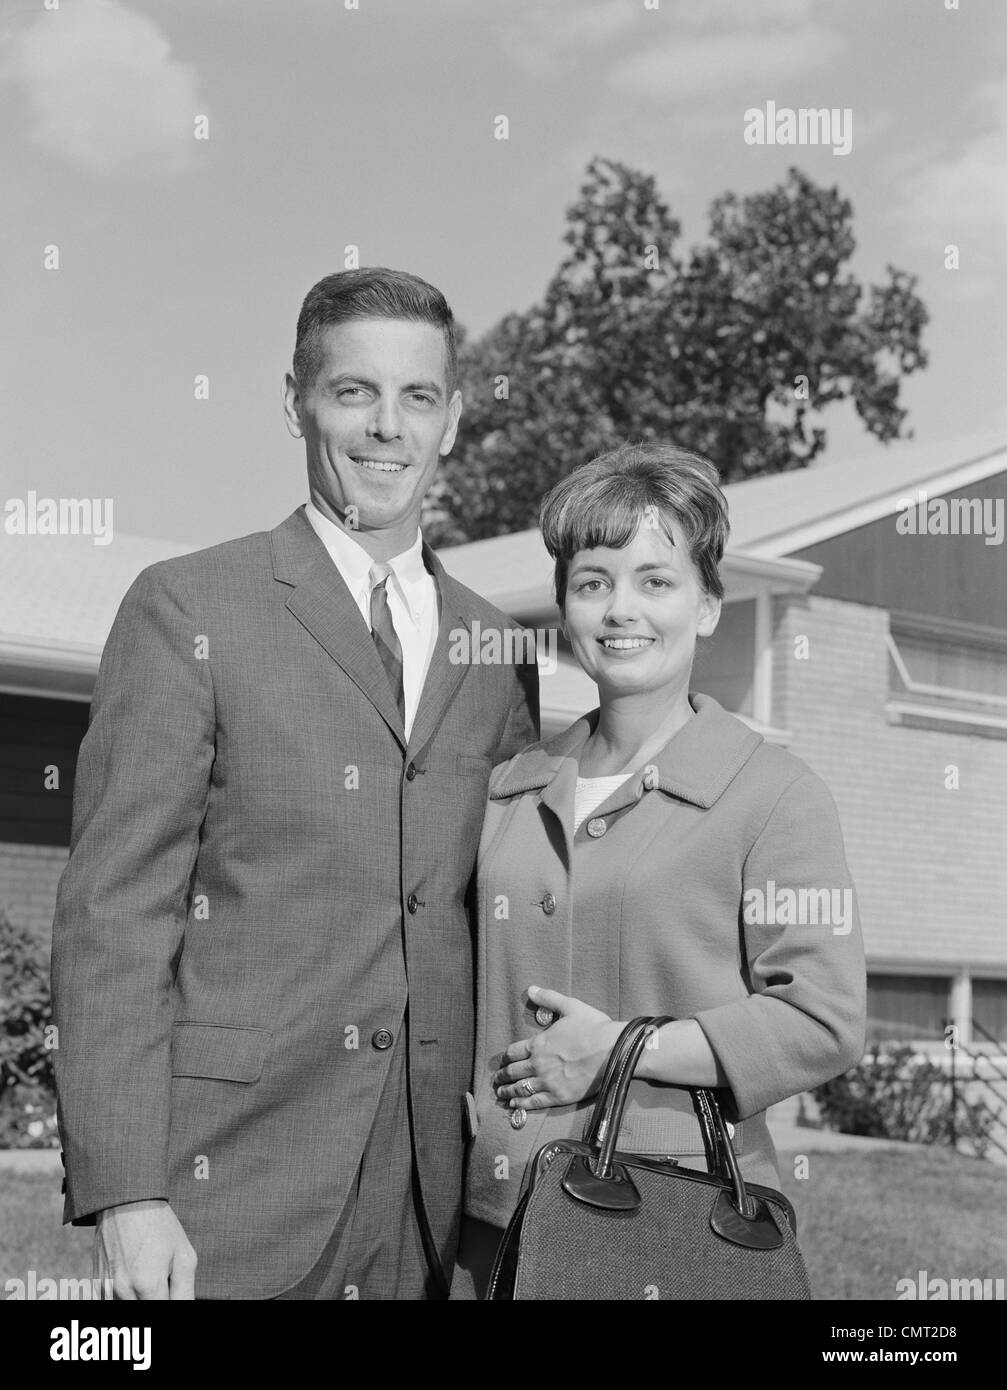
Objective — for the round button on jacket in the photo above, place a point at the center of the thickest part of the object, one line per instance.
(410, 772)
(544, 1017)
(549, 904)
(412, 902)
(382, 1039)
(517, 1118)
(597, 827)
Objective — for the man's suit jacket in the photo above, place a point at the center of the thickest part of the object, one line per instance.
(263, 873)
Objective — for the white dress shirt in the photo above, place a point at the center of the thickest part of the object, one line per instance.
(591, 792)
(412, 599)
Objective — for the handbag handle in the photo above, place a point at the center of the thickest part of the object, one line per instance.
(606, 1121)
(600, 1116)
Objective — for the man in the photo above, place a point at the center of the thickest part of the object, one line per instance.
(262, 973)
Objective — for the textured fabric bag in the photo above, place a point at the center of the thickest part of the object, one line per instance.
(597, 1223)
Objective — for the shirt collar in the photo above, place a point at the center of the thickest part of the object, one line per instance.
(411, 576)
(697, 764)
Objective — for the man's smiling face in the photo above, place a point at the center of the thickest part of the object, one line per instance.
(375, 419)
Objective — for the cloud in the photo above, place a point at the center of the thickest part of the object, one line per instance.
(543, 36)
(685, 49)
(103, 91)
(699, 60)
(958, 198)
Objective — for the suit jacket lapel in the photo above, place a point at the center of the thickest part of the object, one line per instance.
(321, 603)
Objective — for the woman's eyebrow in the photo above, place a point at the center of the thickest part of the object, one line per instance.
(645, 568)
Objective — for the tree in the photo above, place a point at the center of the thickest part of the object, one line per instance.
(734, 350)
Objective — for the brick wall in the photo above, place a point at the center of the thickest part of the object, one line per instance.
(28, 878)
(930, 864)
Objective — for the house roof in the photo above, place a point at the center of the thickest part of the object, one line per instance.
(66, 589)
(780, 513)
(58, 597)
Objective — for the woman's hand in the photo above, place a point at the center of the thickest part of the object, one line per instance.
(562, 1064)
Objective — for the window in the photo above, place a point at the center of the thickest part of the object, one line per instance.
(989, 1010)
(943, 675)
(35, 734)
(907, 1008)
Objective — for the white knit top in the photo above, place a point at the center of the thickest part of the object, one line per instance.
(591, 792)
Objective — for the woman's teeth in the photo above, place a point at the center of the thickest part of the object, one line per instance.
(625, 643)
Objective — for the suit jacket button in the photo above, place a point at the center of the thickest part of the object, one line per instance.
(382, 1039)
(412, 902)
(549, 904)
(596, 827)
(517, 1118)
(410, 772)
(543, 1017)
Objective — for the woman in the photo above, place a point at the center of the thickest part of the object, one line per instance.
(633, 865)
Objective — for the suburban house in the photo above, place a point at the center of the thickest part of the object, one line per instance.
(865, 628)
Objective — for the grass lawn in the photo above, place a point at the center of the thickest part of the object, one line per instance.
(31, 1236)
(865, 1220)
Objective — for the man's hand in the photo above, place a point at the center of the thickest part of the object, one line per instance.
(142, 1248)
(562, 1064)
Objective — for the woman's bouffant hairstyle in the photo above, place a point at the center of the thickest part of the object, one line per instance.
(605, 501)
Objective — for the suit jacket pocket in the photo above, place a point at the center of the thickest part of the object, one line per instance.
(218, 1050)
(473, 762)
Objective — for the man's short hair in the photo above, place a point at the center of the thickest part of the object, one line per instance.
(604, 502)
(371, 292)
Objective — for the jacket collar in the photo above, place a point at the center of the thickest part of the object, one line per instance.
(697, 764)
(322, 603)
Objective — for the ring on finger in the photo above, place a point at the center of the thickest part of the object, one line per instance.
(526, 1088)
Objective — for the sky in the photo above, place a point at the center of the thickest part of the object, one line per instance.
(370, 123)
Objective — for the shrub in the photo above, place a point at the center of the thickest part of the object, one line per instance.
(27, 1088)
(896, 1094)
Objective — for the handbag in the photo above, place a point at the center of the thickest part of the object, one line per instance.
(598, 1223)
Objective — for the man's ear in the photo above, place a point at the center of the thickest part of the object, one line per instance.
(451, 428)
(709, 615)
(292, 405)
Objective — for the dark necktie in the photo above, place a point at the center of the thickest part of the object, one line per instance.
(383, 631)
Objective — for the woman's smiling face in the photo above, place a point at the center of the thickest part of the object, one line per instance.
(633, 615)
